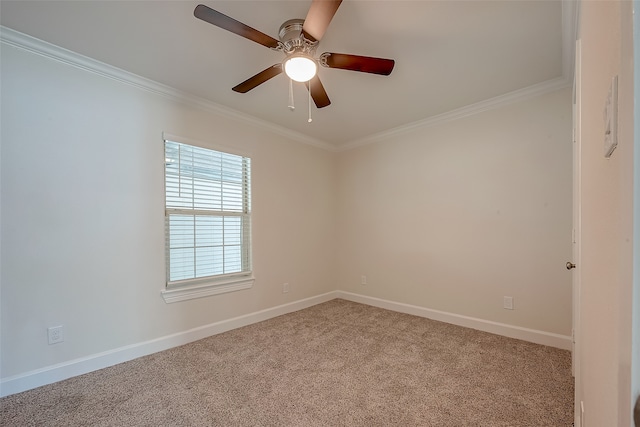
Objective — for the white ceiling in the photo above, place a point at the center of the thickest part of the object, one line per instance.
(449, 54)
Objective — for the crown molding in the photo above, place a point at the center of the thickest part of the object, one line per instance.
(570, 19)
(466, 111)
(31, 44)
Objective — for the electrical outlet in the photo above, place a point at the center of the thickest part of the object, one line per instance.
(285, 288)
(508, 303)
(54, 334)
(363, 280)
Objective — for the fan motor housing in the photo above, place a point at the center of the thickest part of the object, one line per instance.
(293, 40)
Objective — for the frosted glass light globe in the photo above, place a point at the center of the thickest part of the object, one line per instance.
(300, 68)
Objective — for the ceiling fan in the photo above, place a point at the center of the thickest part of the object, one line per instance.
(299, 39)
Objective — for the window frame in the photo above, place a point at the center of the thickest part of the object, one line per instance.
(186, 289)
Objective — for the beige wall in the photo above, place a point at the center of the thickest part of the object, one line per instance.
(83, 214)
(606, 261)
(455, 216)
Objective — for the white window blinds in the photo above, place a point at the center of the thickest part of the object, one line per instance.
(207, 213)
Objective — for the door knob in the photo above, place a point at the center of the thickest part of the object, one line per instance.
(570, 265)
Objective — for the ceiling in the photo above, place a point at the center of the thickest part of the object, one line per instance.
(449, 54)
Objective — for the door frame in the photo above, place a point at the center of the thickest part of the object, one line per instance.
(576, 234)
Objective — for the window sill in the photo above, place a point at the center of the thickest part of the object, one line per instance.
(207, 289)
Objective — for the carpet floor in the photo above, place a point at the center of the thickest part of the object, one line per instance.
(335, 364)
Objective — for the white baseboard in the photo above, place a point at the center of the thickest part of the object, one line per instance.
(525, 334)
(72, 368)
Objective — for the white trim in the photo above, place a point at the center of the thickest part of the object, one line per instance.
(228, 149)
(48, 50)
(206, 289)
(517, 332)
(466, 111)
(83, 365)
(31, 44)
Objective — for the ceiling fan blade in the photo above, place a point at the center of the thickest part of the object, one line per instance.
(223, 21)
(365, 64)
(258, 79)
(318, 18)
(319, 95)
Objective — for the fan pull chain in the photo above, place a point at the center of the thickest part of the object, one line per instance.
(310, 119)
(291, 106)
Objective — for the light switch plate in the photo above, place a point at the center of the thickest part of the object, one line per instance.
(611, 119)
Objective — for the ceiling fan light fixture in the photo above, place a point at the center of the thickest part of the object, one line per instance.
(300, 68)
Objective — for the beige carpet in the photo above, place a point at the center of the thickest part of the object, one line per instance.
(334, 364)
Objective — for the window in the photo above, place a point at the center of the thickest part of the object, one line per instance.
(207, 221)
